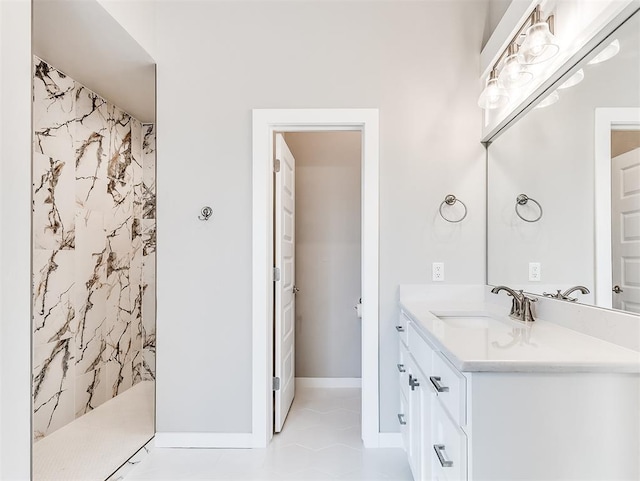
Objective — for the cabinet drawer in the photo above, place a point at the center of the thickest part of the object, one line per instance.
(448, 447)
(451, 386)
(421, 350)
(402, 327)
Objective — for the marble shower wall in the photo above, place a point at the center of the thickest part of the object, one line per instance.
(88, 205)
(149, 252)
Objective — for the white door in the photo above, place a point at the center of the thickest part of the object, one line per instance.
(625, 230)
(284, 287)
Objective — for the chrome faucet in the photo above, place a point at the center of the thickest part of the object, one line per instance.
(565, 295)
(520, 304)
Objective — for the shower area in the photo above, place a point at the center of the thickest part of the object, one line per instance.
(93, 241)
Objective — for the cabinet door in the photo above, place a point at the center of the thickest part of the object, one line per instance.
(414, 381)
(403, 419)
(448, 447)
(421, 397)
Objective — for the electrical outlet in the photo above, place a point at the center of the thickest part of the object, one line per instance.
(534, 272)
(437, 271)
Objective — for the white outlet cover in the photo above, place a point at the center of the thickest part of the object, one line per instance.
(437, 271)
(535, 274)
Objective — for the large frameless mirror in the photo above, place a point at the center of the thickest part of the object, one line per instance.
(563, 214)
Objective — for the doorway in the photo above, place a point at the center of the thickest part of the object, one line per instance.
(317, 329)
(610, 274)
(265, 124)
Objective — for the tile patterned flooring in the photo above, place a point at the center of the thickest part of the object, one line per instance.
(320, 441)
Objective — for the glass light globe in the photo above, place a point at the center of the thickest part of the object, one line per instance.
(539, 45)
(493, 96)
(550, 100)
(513, 74)
(608, 52)
(575, 79)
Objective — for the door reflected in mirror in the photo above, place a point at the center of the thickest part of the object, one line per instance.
(625, 218)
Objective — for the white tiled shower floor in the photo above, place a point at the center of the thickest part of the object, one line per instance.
(320, 440)
(94, 445)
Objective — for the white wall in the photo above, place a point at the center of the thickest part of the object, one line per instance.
(15, 239)
(328, 251)
(415, 61)
(137, 17)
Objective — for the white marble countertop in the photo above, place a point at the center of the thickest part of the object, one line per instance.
(500, 344)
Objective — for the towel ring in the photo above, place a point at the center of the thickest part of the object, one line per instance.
(451, 199)
(522, 199)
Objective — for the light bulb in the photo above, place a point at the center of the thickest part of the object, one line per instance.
(575, 79)
(538, 46)
(493, 96)
(513, 74)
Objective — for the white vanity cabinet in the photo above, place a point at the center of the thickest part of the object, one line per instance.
(510, 425)
(413, 400)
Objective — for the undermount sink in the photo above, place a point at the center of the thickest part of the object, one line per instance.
(476, 320)
(466, 322)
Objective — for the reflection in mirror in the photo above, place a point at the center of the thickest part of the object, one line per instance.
(550, 155)
(624, 159)
(93, 258)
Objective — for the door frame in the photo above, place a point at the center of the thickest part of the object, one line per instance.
(606, 119)
(265, 123)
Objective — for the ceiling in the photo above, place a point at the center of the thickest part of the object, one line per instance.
(79, 38)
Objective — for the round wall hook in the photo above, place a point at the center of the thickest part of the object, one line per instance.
(205, 213)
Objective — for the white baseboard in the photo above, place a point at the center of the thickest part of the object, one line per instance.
(390, 440)
(328, 382)
(204, 440)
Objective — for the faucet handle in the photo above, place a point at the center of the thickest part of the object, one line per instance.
(527, 312)
(515, 307)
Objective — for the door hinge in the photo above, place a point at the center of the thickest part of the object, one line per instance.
(276, 165)
(276, 274)
(276, 384)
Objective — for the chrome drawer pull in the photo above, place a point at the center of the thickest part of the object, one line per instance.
(401, 368)
(435, 380)
(413, 382)
(399, 328)
(401, 419)
(442, 456)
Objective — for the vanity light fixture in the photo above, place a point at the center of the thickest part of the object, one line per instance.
(513, 73)
(575, 79)
(539, 44)
(493, 96)
(607, 53)
(533, 43)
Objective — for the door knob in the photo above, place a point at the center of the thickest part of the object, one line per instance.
(295, 290)
(617, 289)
